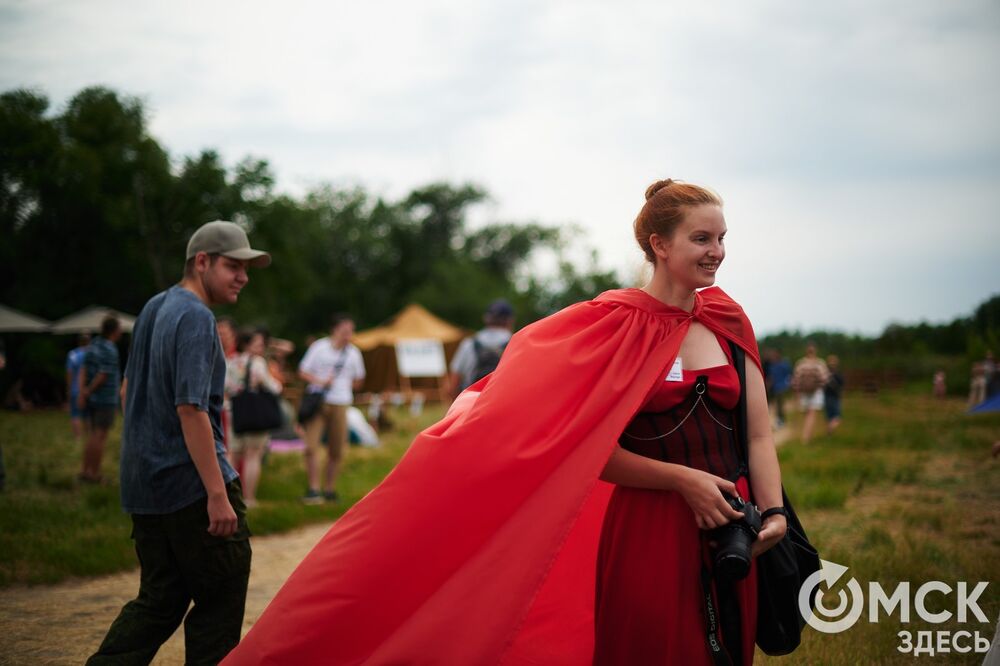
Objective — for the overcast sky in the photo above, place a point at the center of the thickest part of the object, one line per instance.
(856, 144)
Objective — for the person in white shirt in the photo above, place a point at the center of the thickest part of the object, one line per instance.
(334, 367)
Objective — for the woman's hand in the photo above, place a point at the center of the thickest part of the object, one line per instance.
(703, 493)
(771, 533)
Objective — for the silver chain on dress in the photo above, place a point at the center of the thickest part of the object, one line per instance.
(700, 390)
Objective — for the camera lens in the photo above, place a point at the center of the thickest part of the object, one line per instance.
(732, 558)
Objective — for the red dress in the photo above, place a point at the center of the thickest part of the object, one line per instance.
(650, 605)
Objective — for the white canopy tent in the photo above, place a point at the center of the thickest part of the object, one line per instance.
(88, 320)
(14, 321)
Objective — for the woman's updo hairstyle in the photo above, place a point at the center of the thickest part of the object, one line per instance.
(666, 202)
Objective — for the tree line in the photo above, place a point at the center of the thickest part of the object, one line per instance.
(94, 210)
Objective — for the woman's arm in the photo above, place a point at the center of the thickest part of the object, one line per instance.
(700, 490)
(765, 475)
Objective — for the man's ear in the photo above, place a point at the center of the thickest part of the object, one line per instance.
(202, 262)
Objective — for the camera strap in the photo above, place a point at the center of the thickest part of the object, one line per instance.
(720, 657)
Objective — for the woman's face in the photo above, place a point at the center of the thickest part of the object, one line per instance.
(256, 346)
(227, 336)
(693, 254)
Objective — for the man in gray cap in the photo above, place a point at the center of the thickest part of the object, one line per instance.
(188, 517)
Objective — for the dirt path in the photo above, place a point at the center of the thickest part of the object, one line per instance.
(64, 624)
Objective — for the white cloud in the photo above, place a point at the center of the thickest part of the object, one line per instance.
(846, 136)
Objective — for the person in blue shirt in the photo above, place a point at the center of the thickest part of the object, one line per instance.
(74, 363)
(188, 516)
(98, 395)
(777, 381)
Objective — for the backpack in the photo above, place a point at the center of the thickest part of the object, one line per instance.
(487, 359)
(809, 378)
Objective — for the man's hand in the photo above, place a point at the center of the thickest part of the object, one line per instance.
(198, 438)
(221, 517)
(81, 399)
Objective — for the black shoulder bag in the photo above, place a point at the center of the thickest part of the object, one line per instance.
(781, 569)
(255, 411)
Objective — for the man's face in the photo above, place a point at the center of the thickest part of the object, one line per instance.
(342, 332)
(222, 278)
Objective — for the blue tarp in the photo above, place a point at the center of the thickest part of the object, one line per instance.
(988, 405)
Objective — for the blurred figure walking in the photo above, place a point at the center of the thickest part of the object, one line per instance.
(832, 391)
(478, 356)
(777, 381)
(249, 371)
(977, 384)
(940, 385)
(334, 368)
(226, 328)
(808, 379)
(74, 363)
(98, 396)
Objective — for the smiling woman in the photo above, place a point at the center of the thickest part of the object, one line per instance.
(678, 466)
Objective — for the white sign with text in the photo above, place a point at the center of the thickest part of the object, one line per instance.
(420, 358)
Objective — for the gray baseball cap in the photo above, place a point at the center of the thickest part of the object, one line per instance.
(227, 239)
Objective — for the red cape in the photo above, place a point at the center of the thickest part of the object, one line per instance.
(480, 546)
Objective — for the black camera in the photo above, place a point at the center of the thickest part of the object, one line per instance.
(733, 540)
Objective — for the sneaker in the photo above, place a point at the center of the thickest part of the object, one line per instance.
(331, 496)
(312, 497)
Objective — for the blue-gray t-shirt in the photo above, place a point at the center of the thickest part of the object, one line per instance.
(102, 356)
(176, 359)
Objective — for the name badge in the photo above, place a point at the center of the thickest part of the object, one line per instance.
(676, 373)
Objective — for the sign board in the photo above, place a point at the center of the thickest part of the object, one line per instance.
(420, 358)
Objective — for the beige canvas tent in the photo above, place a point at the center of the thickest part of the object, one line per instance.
(88, 320)
(379, 347)
(14, 321)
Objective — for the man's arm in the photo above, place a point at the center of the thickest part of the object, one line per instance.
(200, 444)
(87, 388)
(121, 394)
(310, 378)
(359, 371)
(453, 382)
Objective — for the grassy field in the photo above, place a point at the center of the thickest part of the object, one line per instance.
(905, 491)
(52, 528)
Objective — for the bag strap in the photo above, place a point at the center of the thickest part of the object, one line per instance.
(742, 444)
(246, 374)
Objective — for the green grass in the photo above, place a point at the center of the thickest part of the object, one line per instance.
(53, 528)
(904, 491)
